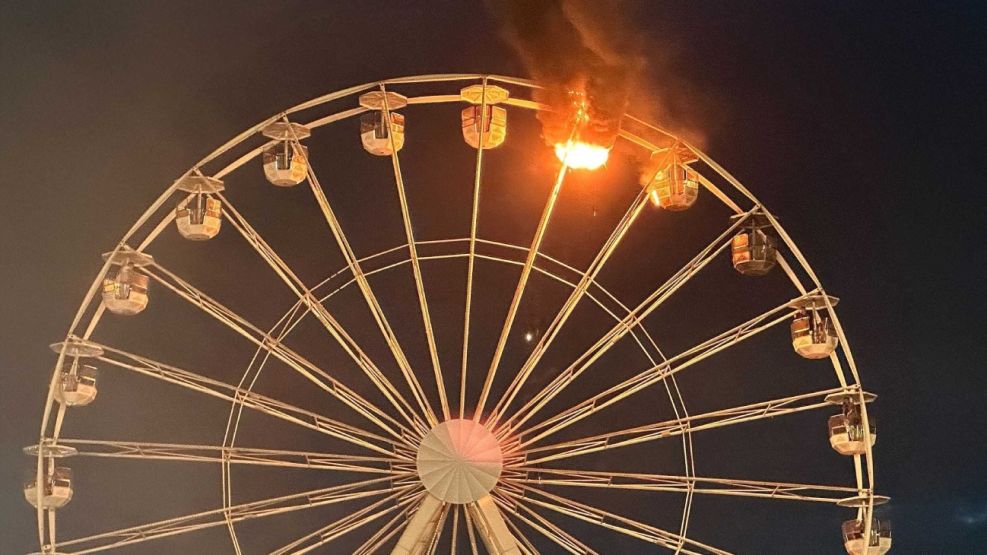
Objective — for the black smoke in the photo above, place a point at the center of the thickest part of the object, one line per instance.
(580, 46)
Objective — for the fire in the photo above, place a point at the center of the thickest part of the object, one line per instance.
(591, 131)
(581, 156)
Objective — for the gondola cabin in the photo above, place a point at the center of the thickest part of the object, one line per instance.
(56, 486)
(484, 122)
(375, 131)
(286, 160)
(198, 215)
(877, 542)
(672, 184)
(847, 434)
(125, 288)
(77, 386)
(813, 333)
(754, 249)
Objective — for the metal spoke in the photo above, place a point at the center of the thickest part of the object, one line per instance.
(378, 313)
(617, 523)
(656, 373)
(376, 541)
(474, 218)
(321, 313)
(683, 484)
(348, 523)
(512, 503)
(263, 340)
(569, 306)
(233, 455)
(524, 545)
(455, 525)
(415, 265)
(280, 330)
(255, 401)
(505, 332)
(218, 517)
(471, 530)
(437, 533)
(671, 428)
(622, 328)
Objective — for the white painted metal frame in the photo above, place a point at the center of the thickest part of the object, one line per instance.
(392, 487)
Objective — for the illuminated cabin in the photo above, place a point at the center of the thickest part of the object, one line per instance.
(484, 122)
(125, 289)
(847, 435)
(286, 161)
(753, 250)
(77, 385)
(198, 215)
(56, 490)
(671, 183)
(374, 129)
(878, 542)
(813, 334)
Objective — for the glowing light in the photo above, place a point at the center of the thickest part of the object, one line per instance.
(529, 337)
(581, 156)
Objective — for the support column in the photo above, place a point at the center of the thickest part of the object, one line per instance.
(493, 529)
(417, 535)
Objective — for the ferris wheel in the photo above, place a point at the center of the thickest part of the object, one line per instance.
(477, 391)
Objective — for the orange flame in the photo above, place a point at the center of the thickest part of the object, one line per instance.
(581, 156)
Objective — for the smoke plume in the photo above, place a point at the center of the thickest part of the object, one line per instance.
(592, 47)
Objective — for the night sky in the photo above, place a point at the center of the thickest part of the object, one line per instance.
(862, 125)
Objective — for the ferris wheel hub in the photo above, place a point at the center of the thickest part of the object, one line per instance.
(459, 461)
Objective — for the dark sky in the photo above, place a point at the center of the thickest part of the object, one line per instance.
(861, 124)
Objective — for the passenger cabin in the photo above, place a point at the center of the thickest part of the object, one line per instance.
(375, 132)
(754, 249)
(672, 184)
(846, 430)
(878, 542)
(77, 386)
(56, 490)
(285, 161)
(813, 333)
(125, 289)
(484, 122)
(198, 215)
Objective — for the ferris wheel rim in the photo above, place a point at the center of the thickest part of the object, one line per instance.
(867, 472)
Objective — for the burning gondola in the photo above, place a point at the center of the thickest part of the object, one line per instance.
(582, 134)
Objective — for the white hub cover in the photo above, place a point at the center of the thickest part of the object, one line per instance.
(459, 461)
